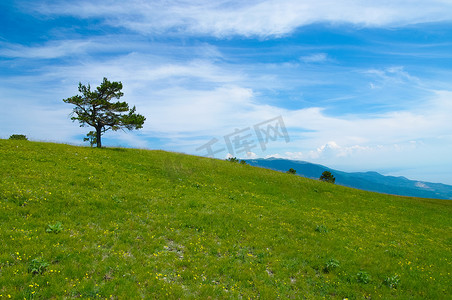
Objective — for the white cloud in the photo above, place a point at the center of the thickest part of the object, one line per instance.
(199, 112)
(276, 155)
(53, 49)
(248, 18)
(251, 155)
(392, 75)
(417, 122)
(328, 151)
(315, 58)
(333, 150)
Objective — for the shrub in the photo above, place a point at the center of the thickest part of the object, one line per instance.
(233, 159)
(363, 277)
(19, 137)
(321, 228)
(331, 265)
(327, 177)
(292, 171)
(236, 160)
(392, 281)
(38, 266)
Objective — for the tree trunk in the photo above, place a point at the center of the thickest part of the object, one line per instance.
(98, 135)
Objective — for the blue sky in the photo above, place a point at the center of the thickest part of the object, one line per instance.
(359, 85)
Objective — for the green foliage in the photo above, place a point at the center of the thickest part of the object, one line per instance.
(363, 277)
(331, 265)
(321, 229)
(236, 160)
(54, 228)
(392, 281)
(91, 138)
(171, 226)
(233, 159)
(37, 266)
(19, 137)
(291, 171)
(95, 109)
(327, 177)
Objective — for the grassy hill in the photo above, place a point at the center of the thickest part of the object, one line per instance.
(125, 223)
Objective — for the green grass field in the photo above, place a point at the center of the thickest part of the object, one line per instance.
(82, 222)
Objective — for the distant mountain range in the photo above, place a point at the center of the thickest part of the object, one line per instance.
(369, 181)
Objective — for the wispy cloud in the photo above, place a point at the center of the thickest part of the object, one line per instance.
(247, 18)
(315, 58)
(54, 49)
(395, 74)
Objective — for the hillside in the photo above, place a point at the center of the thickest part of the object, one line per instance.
(124, 223)
(369, 181)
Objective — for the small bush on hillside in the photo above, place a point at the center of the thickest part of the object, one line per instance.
(292, 171)
(19, 137)
(327, 177)
(236, 160)
(233, 159)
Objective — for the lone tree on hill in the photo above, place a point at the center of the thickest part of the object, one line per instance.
(94, 108)
(327, 177)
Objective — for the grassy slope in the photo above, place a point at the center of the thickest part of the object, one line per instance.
(142, 223)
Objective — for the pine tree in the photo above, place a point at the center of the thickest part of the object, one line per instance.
(96, 109)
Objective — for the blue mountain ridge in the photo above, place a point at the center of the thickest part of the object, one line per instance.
(369, 181)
